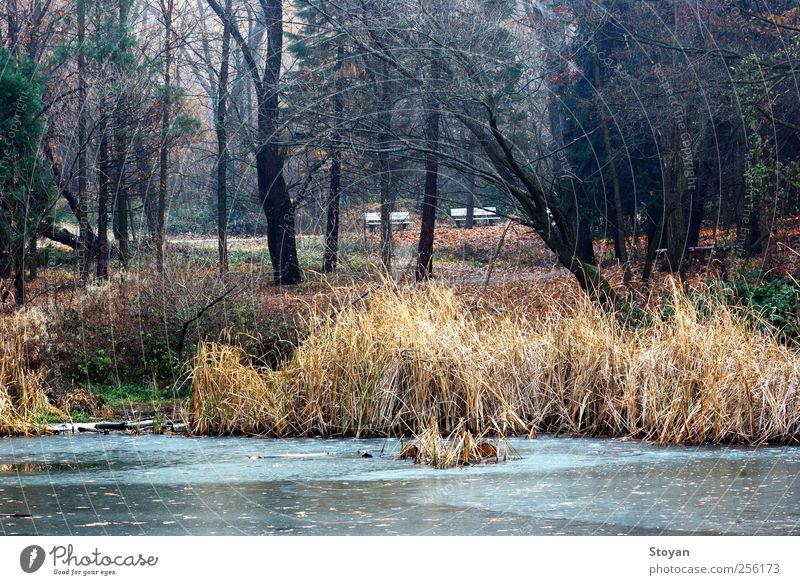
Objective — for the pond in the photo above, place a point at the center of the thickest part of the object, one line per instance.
(160, 485)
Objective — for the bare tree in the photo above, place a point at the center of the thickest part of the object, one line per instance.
(222, 145)
(272, 189)
(83, 196)
(167, 11)
(429, 204)
(332, 224)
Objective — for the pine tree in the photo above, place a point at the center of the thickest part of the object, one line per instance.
(26, 189)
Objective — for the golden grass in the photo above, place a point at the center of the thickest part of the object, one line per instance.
(391, 363)
(23, 339)
(230, 397)
(459, 449)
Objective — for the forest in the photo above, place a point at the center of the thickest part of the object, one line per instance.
(425, 218)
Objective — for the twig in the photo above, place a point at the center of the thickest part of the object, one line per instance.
(199, 314)
(496, 256)
(332, 315)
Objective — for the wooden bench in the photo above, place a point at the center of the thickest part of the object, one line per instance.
(397, 218)
(697, 253)
(485, 214)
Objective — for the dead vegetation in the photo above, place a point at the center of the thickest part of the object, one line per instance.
(459, 449)
(390, 363)
(23, 340)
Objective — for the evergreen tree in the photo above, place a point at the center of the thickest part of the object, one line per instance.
(26, 189)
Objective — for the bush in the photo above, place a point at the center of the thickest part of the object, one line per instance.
(128, 331)
(775, 302)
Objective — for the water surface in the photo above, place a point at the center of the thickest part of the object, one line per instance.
(119, 484)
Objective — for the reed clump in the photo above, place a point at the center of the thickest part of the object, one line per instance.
(390, 363)
(460, 449)
(232, 397)
(23, 346)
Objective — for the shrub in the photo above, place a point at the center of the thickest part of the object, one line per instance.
(775, 302)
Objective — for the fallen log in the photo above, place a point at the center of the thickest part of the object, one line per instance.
(111, 426)
(104, 427)
(140, 426)
(88, 430)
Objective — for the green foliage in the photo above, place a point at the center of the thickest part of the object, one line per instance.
(25, 180)
(76, 416)
(184, 125)
(44, 418)
(127, 394)
(776, 302)
(164, 362)
(80, 416)
(96, 367)
(757, 173)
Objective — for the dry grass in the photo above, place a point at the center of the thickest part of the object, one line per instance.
(230, 397)
(23, 341)
(393, 362)
(460, 448)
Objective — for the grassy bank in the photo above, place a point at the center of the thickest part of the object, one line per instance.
(388, 364)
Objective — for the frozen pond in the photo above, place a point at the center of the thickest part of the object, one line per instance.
(90, 485)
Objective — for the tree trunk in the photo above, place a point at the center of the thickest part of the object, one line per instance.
(655, 233)
(426, 234)
(543, 214)
(62, 235)
(674, 191)
(676, 233)
(696, 213)
(469, 220)
(674, 217)
(121, 150)
(163, 181)
(384, 168)
(332, 227)
(33, 257)
(620, 248)
(386, 212)
(222, 148)
(83, 197)
(568, 197)
(273, 192)
(279, 210)
(102, 206)
(144, 171)
(20, 286)
(69, 197)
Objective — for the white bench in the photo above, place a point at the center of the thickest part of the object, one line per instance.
(697, 253)
(487, 214)
(399, 218)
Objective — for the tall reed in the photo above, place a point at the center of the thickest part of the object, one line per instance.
(391, 363)
(23, 339)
